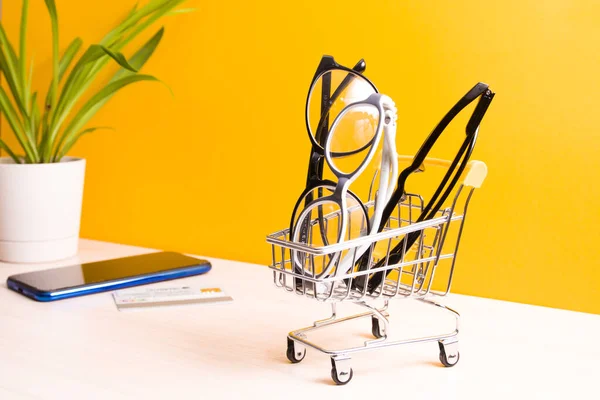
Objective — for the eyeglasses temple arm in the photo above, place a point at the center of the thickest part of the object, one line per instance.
(480, 110)
(464, 152)
(419, 158)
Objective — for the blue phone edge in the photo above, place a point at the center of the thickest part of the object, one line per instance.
(46, 296)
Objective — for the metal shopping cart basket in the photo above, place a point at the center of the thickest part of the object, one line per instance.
(410, 277)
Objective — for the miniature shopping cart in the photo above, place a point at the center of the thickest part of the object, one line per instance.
(410, 276)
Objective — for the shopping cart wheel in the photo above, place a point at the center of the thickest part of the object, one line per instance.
(449, 354)
(295, 353)
(341, 373)
(377, 328)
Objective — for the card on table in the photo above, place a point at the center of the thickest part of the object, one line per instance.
(148, 297)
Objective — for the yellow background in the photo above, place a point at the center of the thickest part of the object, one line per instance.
(218, 166)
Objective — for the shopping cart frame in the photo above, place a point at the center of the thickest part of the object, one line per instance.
(414, 276)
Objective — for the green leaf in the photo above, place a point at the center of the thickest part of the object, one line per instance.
(67, 98)
(15, 125)
(35, 117)
(93, 53)
(51, 5)
(68, 57)
(151, 7)
(4, 147)
(43, 140)
(79, 79)
(22, 51)
(133, 10)
(29, 121)
(158, 10)
(30, 78)
(65, 61)
(119, 58)
(134, 16)
(92, 106)
(54, 24)
(9, 53)
(79, 71)
(140, 57)
(10, 67)
(121, 35)
(67, 145)
(182, 11)
(12, 80)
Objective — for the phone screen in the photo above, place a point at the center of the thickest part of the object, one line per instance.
(102, 271)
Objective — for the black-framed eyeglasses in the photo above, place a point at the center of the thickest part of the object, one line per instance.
(365, 120)
(332, 89)
(480, 91)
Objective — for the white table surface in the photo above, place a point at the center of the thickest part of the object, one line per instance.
(85, 348)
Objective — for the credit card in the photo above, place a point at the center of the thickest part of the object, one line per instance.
(144, 297)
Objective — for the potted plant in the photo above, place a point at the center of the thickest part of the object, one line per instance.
(41, 188)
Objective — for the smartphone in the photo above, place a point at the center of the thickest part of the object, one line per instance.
(102, 276)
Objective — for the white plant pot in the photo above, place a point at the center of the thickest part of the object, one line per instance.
(40, 210)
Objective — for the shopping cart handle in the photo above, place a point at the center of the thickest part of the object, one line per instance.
(473, 175)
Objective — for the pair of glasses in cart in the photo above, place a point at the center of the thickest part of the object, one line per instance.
(359, 115)
(484, 95)
(333, 87)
